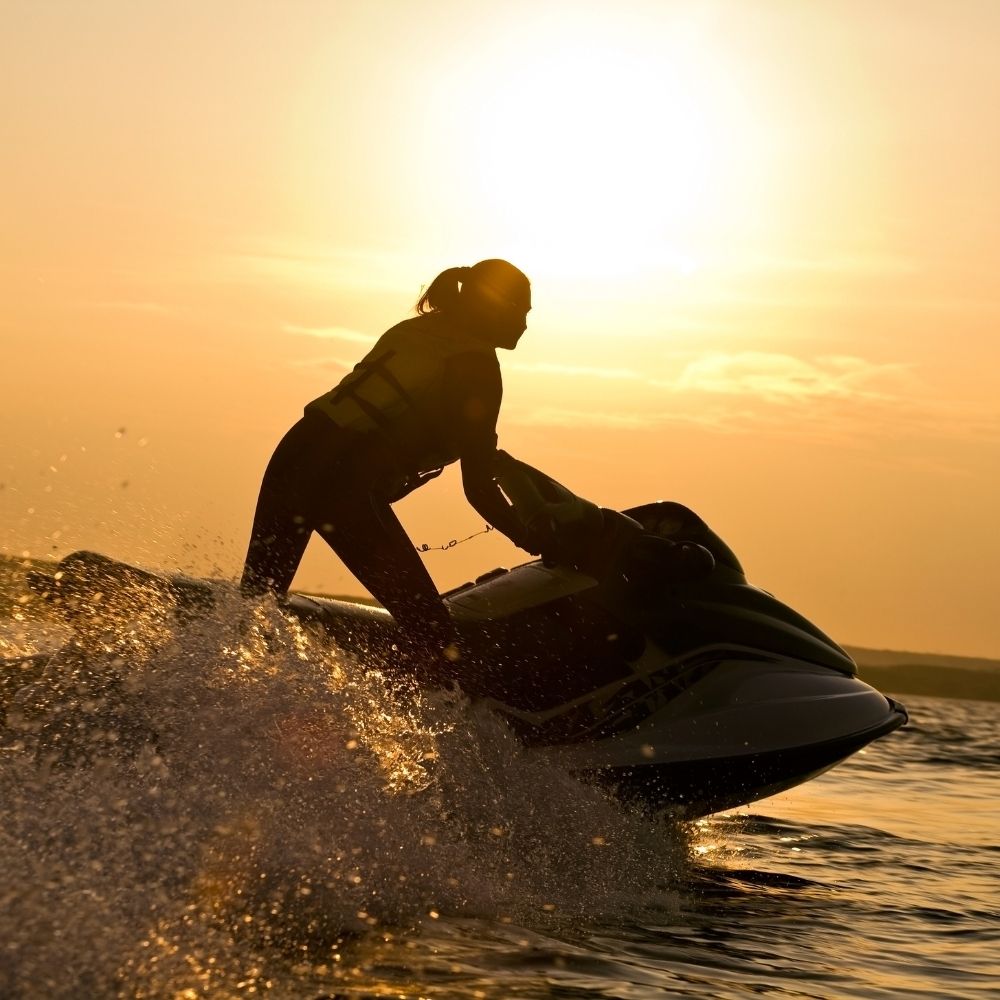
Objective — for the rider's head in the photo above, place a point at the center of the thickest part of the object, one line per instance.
(492, 298)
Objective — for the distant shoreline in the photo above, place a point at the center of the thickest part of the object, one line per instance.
(936, 675)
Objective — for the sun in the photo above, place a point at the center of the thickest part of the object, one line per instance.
(603, 153)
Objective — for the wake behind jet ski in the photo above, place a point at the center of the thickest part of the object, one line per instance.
(634, 654)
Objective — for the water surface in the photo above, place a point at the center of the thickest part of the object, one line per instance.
(295, 832)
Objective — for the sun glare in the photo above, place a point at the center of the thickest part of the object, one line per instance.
(610, 155)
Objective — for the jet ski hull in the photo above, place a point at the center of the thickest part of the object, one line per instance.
(695, 732)
(689, 694)
(696, 787)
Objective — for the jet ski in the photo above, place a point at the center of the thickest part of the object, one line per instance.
(633, 653)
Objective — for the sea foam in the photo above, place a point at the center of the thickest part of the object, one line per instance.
(216, 808)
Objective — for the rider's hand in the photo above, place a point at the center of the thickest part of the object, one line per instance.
(532, 540)
(538, 538)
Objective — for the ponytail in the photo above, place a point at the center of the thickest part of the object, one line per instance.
(481, 289)
(443, 292)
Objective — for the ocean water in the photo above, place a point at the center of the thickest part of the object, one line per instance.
(293, 830)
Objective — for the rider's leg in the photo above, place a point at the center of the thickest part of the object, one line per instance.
(371, 542)
(281, 525)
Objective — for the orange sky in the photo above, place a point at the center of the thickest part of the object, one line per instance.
(763, 240)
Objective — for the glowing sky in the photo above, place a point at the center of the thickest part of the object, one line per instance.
(763, 239)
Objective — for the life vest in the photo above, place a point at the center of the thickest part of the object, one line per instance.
(396, 392)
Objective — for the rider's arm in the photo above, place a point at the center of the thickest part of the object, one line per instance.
(484, 495)
(476, 391)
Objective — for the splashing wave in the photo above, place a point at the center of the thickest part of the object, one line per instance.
(200, 810)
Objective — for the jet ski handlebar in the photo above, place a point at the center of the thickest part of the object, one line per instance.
(571, 531)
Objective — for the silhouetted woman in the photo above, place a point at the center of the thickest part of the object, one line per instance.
(426, 395)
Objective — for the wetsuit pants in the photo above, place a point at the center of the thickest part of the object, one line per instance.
(310, 484)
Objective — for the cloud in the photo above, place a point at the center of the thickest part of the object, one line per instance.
(128, 305)
(321, 266)
(839, 263)
(554, 416)
(842, 400)
(784, 378)
(325, 364)
(329, 333)
(572, 371)
(777, 378)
